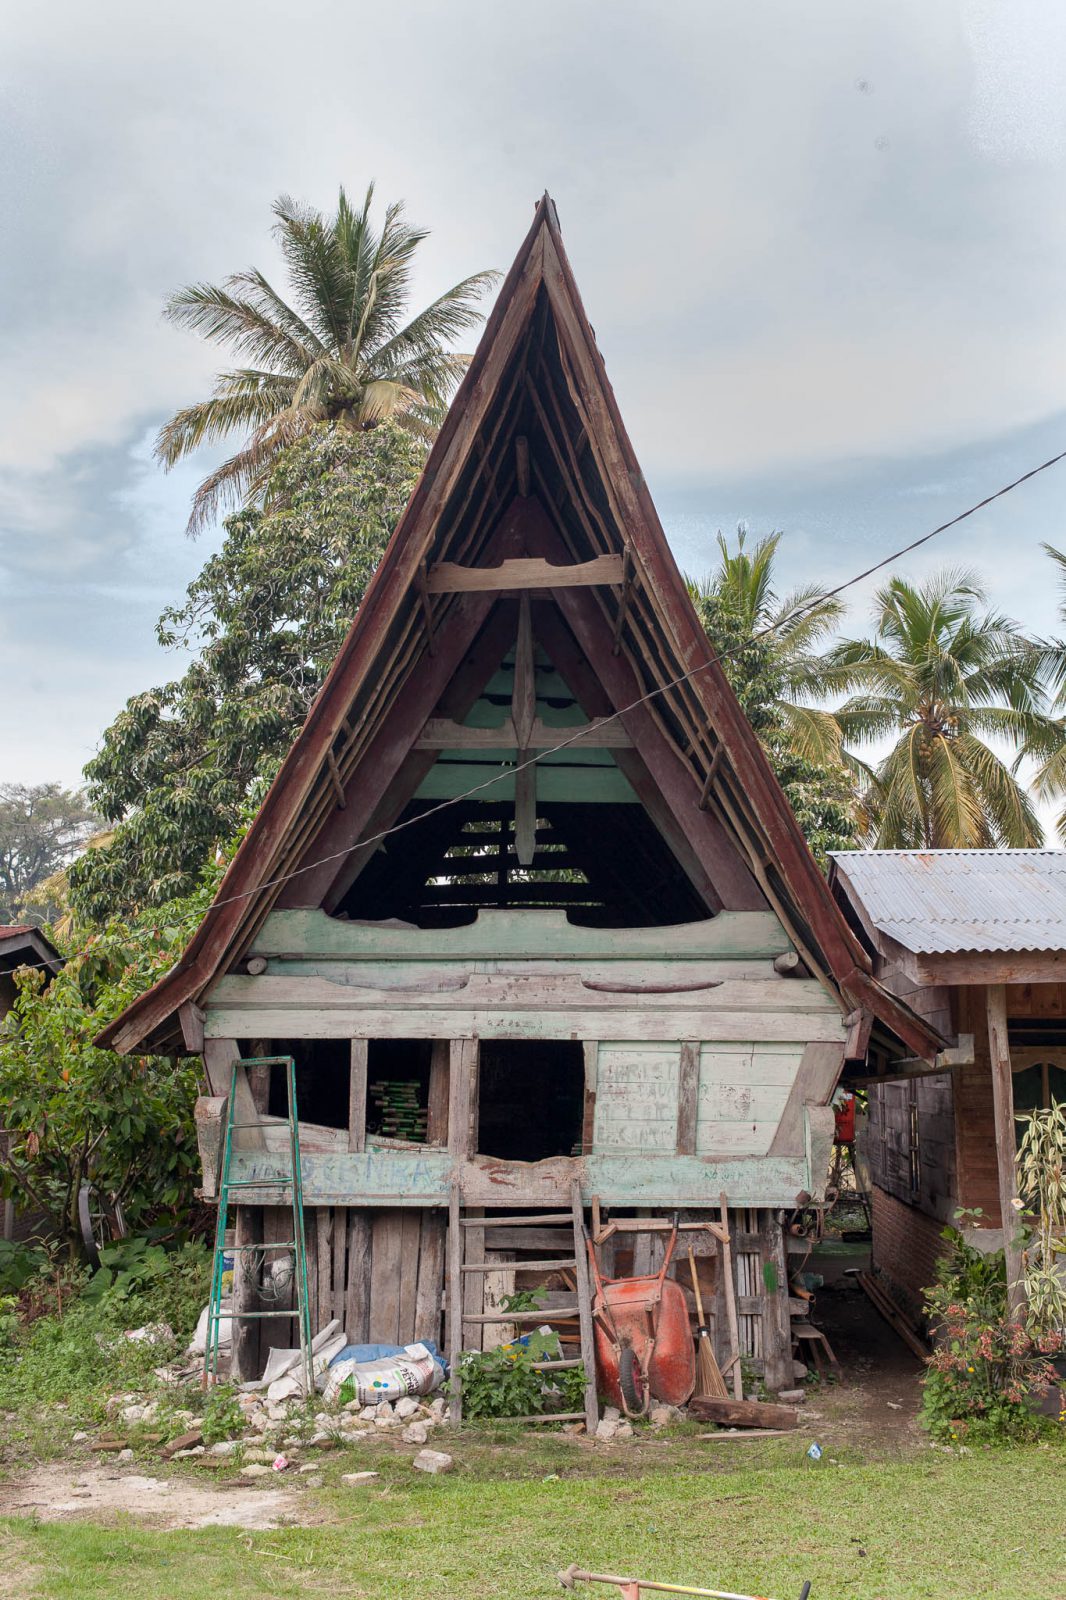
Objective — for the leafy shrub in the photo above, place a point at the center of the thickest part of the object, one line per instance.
(505, 1383)
(985, 1366)
(223, 1417)
(69, 1345)
(78, 1114)
(20, 1260)
(1042, 1192)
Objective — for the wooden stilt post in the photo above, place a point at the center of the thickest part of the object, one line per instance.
(1003, 1102)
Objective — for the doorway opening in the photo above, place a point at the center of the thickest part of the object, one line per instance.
(531, 1097)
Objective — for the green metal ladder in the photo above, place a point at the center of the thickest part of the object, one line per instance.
(293, 1182)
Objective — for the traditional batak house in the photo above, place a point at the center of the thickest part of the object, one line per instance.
(974, 941)
(525, 902)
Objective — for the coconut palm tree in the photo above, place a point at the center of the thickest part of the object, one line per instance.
(739, 602)
(1050, 777)
(336, 349)
(941, 678)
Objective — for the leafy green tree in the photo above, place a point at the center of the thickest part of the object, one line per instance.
(75, 1114)
(42, 827)
(771, 672)
(941, 678)
(266, 617)
(337, 350)
(1049, 781)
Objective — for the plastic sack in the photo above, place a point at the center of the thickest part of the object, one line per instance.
(411, 1371)
(198, 1343)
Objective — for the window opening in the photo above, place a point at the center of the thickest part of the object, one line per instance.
(323, 1073)
(531, 1097)
(397, 1089)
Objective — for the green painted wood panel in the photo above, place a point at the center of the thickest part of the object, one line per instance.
(396, 1178)
(531, 935)
(585, 781)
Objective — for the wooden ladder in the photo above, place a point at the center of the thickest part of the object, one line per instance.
(578, 1264)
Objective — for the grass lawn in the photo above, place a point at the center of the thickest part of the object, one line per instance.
(946, 1527)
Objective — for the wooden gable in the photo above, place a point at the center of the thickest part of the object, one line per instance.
(528, 597)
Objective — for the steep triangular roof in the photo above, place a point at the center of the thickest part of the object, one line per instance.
(532, 466)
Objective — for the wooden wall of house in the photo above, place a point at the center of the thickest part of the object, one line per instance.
(956, 1140)
(381, 1273)
(911, 1142)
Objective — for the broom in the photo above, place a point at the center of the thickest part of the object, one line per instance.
(709, 1380)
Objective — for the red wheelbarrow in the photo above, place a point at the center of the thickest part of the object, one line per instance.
(644, 1348)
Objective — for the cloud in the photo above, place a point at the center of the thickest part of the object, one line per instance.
(815, 242)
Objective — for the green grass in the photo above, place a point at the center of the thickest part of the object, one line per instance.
(947, 1528)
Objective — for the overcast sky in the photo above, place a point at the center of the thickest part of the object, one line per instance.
(823, 248)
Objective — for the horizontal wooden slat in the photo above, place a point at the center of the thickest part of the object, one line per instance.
(524, 572)
(441, 734)
(513, 1222)
(525, 1266)
(544, 1314)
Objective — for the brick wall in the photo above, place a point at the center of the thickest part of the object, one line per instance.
(906, 1248)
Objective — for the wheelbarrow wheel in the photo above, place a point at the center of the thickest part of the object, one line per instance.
(631, 1381)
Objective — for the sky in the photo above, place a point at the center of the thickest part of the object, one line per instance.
(823, 248)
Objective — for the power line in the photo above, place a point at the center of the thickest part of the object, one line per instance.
(505, 773)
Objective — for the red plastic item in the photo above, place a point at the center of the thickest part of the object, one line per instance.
(845, 1120)
(644, 1348)
(654, 1325)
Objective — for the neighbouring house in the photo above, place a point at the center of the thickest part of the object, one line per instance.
(19, 947)
(525, 903)
(975, 942)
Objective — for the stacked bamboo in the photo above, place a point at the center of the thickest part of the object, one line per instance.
(400, 1114)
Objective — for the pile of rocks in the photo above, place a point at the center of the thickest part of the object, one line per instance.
(270, 1428)
(612, 1425)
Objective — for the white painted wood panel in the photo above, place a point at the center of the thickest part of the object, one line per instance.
(742, 1094)
(636, 1097)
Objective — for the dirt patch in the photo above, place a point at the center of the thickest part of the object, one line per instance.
(54, 1495)
(874, 1405)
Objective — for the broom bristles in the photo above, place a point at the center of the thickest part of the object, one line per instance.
(709, 1380)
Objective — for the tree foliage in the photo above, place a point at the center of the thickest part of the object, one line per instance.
(946, 682)
(339, 349)
(767, 648)
(42, 827)
(74, 1113)
(265, 618)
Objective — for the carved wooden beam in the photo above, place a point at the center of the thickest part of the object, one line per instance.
(448, 577)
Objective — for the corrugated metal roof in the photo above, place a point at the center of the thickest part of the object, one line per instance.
(954, 900)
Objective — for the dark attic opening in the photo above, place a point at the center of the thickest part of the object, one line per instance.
(527, 800)
(605, 864)
(531, 1097)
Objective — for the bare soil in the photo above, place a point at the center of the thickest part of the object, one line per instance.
(53, 1494)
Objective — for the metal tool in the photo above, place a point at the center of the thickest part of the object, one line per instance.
(632, 1588)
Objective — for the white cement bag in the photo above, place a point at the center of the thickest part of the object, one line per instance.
(412, 1372)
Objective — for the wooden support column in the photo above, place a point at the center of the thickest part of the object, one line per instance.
(437, 1101)
(248, 1230)
(1003, 1102)
(462, 1098)
(777, 1325)
(357, 1096)
(357, 1288)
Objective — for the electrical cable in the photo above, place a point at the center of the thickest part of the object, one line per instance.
(507, 772)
